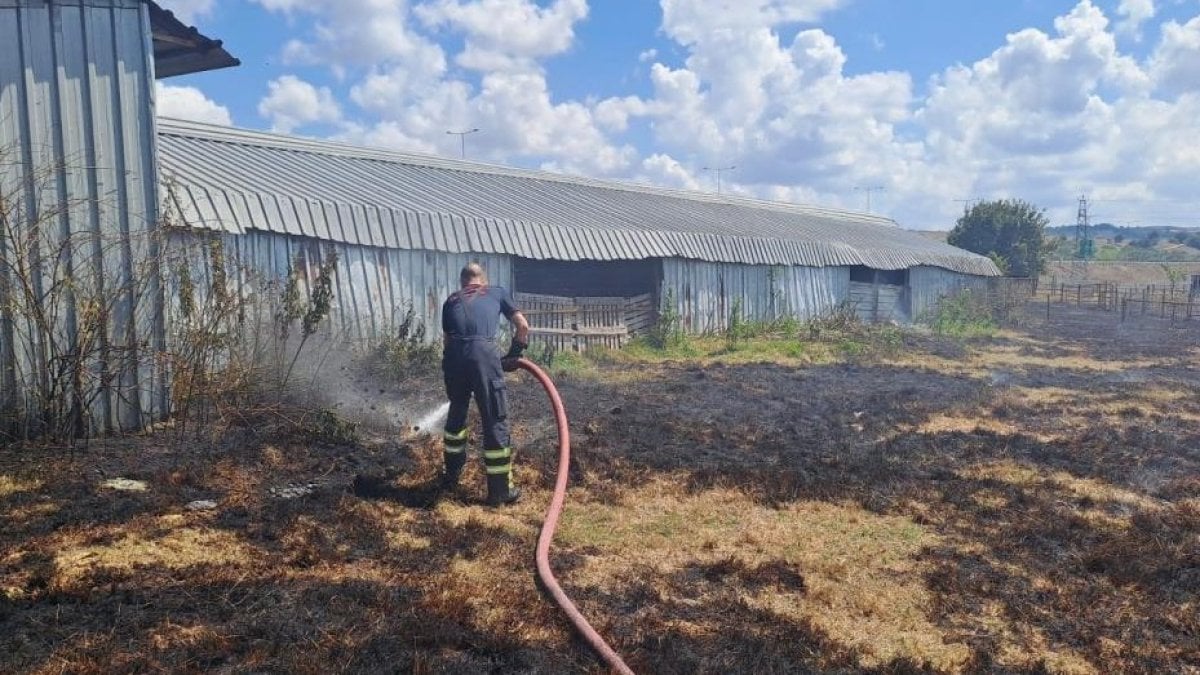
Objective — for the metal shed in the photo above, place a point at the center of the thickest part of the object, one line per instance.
(704, 251)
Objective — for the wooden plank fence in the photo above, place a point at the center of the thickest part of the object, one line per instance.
(577, 324)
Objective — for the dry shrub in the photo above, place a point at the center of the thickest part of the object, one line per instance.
(78, 329)
(235, 348)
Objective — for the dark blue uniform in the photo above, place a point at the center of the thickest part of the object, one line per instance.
(471, 366)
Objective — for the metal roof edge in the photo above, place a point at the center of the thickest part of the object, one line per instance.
(191, 51)
(237, 135)
(955, 260)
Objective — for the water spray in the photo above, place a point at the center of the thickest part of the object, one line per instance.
(432, 420)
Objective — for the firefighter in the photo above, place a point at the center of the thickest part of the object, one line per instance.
(471, 366)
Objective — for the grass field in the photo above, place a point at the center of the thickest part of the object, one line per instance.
(1024, 502)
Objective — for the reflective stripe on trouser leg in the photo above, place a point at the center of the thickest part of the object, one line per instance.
(498, 462)
(455, 442)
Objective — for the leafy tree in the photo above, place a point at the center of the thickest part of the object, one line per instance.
(1007, 230)
(1174, 275)
(1119, 238)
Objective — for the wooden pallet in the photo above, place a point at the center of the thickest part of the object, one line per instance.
(578, 324)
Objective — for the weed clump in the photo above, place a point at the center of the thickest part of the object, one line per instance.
(964, 315)
(403, 353)
(233, 350)
(328, 428)
(558, 362)
(668, 333)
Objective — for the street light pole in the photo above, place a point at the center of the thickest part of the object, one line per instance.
(719, 170)
(462, 137)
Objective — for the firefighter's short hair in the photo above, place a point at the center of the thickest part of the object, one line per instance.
(472, 273)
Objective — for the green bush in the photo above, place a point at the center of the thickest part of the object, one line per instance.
(668, 333)
(557, 362)
(647, 347)
(852, 348)
(739, 329)
(965, 314)
(326, 427)
(404, 352)
(837, 321)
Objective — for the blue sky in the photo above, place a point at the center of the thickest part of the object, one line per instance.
(933, 100)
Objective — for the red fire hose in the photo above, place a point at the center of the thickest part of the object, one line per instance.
(556, 506)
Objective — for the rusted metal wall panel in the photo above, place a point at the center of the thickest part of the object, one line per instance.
(704, 293)
(928, 285)
(374, 286)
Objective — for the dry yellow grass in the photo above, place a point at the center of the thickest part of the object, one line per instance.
(168, 542)
(10, 485)
(855, 572)
(942, 423)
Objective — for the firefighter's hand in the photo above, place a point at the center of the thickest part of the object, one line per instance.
(515, 351)
(509, 364)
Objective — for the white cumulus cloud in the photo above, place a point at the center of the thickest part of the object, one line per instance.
(1133, 14)
(406, 96)
(1176, 62)
(690, 21)
(505, 34)
(189, 11)
(762, 84)
(291, 103)
(189, 103)
(357, 33)
(665, 170)
(782, 111)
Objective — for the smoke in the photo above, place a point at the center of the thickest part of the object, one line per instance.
(334, 377)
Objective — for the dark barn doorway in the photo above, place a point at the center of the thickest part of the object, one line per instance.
(587, 278)
(880, 295)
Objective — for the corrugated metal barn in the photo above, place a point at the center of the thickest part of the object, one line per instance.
(87, 167)
(405, 223)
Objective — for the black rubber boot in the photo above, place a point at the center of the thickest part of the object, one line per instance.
(454, 462)
(501, 491)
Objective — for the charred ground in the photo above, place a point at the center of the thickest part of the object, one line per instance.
(1027, 502)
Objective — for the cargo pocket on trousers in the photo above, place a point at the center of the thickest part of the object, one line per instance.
(499, 396)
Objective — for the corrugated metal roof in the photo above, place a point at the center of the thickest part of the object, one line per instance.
(181, 49)
(236, 180)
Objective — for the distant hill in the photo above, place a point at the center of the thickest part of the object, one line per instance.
(1130, 244)
(1174, 274)
(1118, 243)
(1127, 233)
